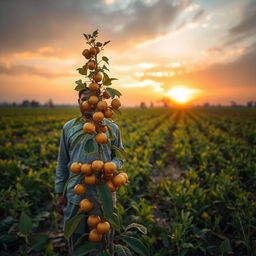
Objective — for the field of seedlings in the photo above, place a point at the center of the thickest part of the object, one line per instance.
(192, 180)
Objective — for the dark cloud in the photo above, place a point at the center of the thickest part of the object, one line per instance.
(29, 25)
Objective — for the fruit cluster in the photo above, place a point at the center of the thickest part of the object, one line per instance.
(108, 175)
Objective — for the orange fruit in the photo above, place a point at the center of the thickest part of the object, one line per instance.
(93, 100)
(90, 179)
(79, 189)
(97, 77)
(97, 49)
(97, 165)
(93, 220)
(115, 103)
(75, 167)
(108, 113)
(103, 227)
(98, 116)
(91, 65)
(85, 205)
(87, 54)
(94, 236)
(93, 87)
(86, 105)
(93, 51)
(125, 175)
(101, 138)
(111, 186)
(89, 127)
(109, 167)
(106, 95)
(102, 105)
(86, 169)
(119, 180)
(103, 128)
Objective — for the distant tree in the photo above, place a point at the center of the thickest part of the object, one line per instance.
(34, 104)
(250, 104)
(143, 105)
(49, 104)
(151, 104)
(233, 103)
(25, 103)
(165, 101)
(206, 104)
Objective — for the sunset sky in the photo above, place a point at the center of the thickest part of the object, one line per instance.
(207, 47)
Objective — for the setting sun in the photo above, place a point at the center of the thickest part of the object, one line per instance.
(181, 94)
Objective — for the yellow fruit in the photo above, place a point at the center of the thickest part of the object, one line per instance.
(102, 105)
(103, 227)
(93, 51)
(103, 128)
(85, 205)
(75, 167)
(93, 100)
(205, 215)
(101, 138)
(125, 175)
(93, 221)
(91, 65)
(86, 105)
(79, 189)
(119, 180)
(91, 179)
(115, 103)
(94, 236)
(111, 186)
(97, 165)
(86, 169)
(97, 77)
(106, 95)
(93, 87)
(98, 116)
(87, 54)
(109, 167)
(108, 113)
(89, 128)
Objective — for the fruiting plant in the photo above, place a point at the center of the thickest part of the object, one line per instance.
(104, 175)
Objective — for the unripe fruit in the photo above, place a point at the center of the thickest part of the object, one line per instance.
(97, 77)
(111, 186)
(108, 113)
(85, 205)
(119, 180)
(93, 221)
(125, 175)
(86, 105)
(93, 100)
(93, 51)
(115, 103)
(103, 128)
(79, 189)
(109, 167)
(94, 236)
(102, 105)
(93, 87)
(87, 54)
(86, 169)
(75, 167)
(106, 95)
(89, 128)
(97, 165)
(103, 227)
(101, 138)
(90, 180)
(91, 65)
(98, 116)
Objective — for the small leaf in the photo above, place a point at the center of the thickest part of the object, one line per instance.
(104, 58)
(122, 250)
(95, 33)
(140, 227)
(120, 153)
(104, 67)
(86, 37)
(106, 43)
(25, 224)
(113, 92)
(105, 196)
(98, 44)
(81, 71)
(105, 77)
(136, 245)
(79, 82)
(71, 225)
(89, 146)
(109, 81)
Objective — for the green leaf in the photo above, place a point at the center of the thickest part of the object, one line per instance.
(68, 181)
(105, 77)
(82, 71)
(106, 43)
(105, 196)
(115, 222)
(89, 146)
(95, 33)
(86, 36)
(98, 44)
(136, 245)
(84, 249)
(79, 82)
(39, 242)
(122, 250)
(120, 153)
(117, 111)
(71, 225)
(104, 67)
(140, 227)
(80, 85)
(111, 135)
(113, 92)
(77, 139)
(109, 81)
(104, 58)
(225, 246)
(25, 224)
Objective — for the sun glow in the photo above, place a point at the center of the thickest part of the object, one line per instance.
(181, 95)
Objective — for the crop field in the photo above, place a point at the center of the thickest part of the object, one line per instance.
(192, 180)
